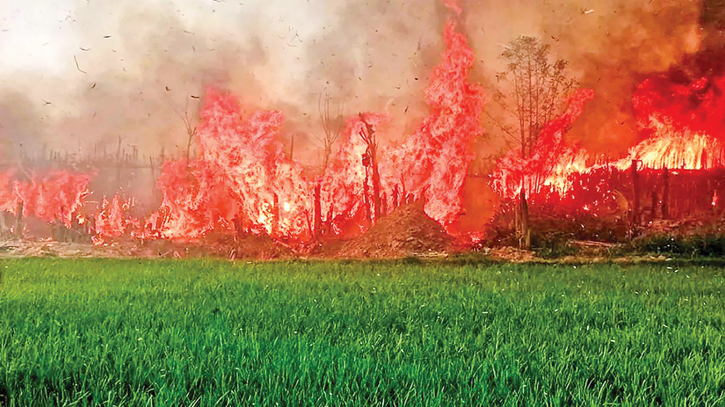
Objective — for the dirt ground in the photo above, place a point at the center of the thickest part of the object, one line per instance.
(166, 250)
(406, 232)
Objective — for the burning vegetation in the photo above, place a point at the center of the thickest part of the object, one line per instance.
(239, 182)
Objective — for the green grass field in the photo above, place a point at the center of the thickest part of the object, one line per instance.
(206, 333)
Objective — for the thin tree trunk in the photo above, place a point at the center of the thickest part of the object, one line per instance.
(384, 204)
(525, 232)
(368, 136)
(635, 182)
(366, 201)
(666, 194)
(275, 216)
(318, 212)
(376, 189)
(19, 224)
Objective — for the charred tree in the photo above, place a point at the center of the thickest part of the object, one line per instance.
(370, 160)
(529, 95)
(238, 222)
(292, 147)
(189, 126)
(328, 221)
(332, 120)
(366, 195)
(666, 194)
(275, 216)
(118, 162)
(19, 223)
(384, 204)
(318, 212)
(635, 182)
(525, 238)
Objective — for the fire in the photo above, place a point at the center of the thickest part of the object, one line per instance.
(238, 180)
(682, 124)
(669, 148)
(552, 161)
(54, 196)
(342, 184)
(110, 221)
(242, 181)
(434, 161)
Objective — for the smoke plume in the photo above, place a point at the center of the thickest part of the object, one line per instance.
(127, 69)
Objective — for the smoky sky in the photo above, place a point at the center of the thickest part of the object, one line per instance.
(82, 73)
(611, 46)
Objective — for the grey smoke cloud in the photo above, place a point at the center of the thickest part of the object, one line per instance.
(143, 61)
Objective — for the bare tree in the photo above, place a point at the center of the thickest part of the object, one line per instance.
(332, 119)
(189, 121)
(190, 132)
(530, 92)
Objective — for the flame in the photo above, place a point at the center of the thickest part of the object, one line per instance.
(242, 176)
(342, 184)
(53, 196)
(552, 161)
(110, 221)
(673, 149)
(682, 123)
(242, 182)
(436, 158)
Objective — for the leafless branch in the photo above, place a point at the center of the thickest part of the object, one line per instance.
(78, 67)
(332, 125)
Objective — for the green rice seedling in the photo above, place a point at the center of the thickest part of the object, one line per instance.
(209, 333)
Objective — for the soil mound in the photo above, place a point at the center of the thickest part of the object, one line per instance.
(247, 246)
(261, 247)
(407, 231)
